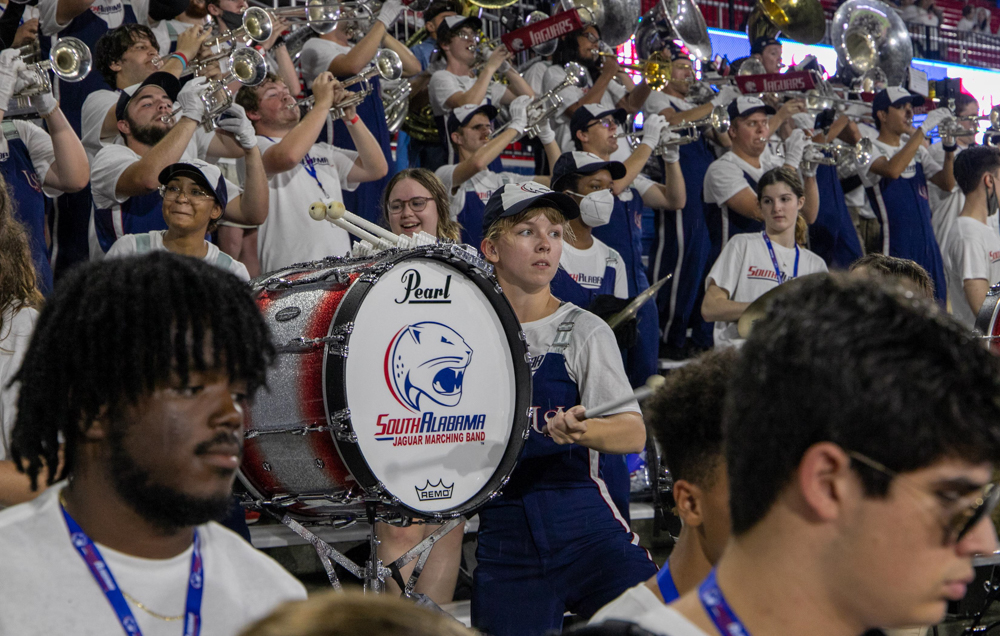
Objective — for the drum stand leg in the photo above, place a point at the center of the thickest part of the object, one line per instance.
(326, 553)
(420, 552)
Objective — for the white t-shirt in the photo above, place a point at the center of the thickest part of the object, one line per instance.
(444, 84)
(111, 11)
(857, 198)
(974, 252)
(482, 183)
(316, 56)
(882, 149)
(290, 235)
(15, 335)
(919, 15)
(666, 621)
(592, 357)
(534, 75)
(55, 592)
(126, 246)
(633, 602)
(724, 180)
(587, 266)
(945, 206)
(745, 270)
(39, 145)
(658, 100)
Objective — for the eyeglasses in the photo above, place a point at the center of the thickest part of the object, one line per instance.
(962, 520)
(468, 36)
(608, 122)
(417, 204)
(171, 192)
(593, 39)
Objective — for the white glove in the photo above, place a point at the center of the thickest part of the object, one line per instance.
(519, 113)
(726, 96)
(190, 101)
(545, 134)
(44, 103)
(808, 169)
(10, 66)
(652, 128)
(234, 120)
(390, 11)
(795, 145)
(805, 121)
(673, 152)
(934, 118)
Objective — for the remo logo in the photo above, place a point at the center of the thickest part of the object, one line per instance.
(425, 364)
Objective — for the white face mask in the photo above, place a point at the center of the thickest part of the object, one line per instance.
(596, 207)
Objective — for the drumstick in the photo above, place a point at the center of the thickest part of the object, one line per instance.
(654, 382)
(336, 210)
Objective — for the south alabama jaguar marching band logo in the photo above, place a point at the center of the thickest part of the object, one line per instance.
(425, 369)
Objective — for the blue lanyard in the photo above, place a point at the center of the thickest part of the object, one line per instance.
(310, 168)
(782, 277)
(665, 581)
(102, 574)
(725, 619)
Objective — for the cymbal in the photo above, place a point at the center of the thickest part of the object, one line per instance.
(759, 307)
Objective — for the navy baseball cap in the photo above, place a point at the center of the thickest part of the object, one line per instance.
(461, 115)
(513, 198)
(757, 46)
(894, 96)
(204, 174)
(587, 114)
(744, 106)
(170, 84)
(583, 163)
(456, 22)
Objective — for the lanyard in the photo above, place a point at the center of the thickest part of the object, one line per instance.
(725, 619)
(102, 574)
(782, 277)
(665, 581)
(310, 168)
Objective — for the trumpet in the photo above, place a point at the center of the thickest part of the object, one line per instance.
(69, 59)
(655, 70)
(543, 107)
(836, 154)
(387, 65)
(246, 66)
(717, 120)
(256, 27)
(319, 15)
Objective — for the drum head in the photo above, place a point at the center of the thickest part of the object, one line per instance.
(436, 382)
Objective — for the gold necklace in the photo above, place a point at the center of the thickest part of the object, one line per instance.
(136, 602)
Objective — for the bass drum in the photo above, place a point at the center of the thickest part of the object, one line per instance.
(987, 323)
(401, 379)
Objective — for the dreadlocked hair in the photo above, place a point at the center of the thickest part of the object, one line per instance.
(18, 287)
(114, 331)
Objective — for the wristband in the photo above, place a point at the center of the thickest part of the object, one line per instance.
(354, 120)
(180, 56)
(951, 148)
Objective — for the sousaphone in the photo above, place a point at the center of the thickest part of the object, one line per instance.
(869, 34)
(673, 20)
(617, 19)
(799, 20)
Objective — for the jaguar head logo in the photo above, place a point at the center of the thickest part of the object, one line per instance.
(426, 362)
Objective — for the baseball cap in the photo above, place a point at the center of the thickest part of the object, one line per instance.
(204, 174)
(745, 106)
(166, 81)
(456, 22)
(589, 113)
(758, 45)
(461, 115)
(577, 162)
(895, 96)
(514, 198)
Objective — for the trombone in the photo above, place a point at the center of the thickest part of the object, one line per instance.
(387, 65)
(689, 132)
(656, 71)
(69, 59)
(321, 16)
(543, 107)
(246, 66)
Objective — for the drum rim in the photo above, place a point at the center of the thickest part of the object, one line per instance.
(986, 320)
(335, 365)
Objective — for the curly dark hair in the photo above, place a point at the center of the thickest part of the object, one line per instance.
(115, 330)
(848, 360)
(111, 47)
(685, 415)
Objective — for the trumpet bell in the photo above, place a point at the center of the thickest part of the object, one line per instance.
(248, 66)
(258, 25)
(800, 20)
(322, 17)
(719, 119)
(751, 66)
(869, 34)
(863, 152)
(70, 59)
(576, 71)
(388, 64)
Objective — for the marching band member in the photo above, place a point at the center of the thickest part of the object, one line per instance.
(433, 16)
(685, 416)
(302, 171)
(228, 16)
(457, 84)
(536, 557)
(37, 164)
(898, 175)
(194, 199)
(416, 201)
(753, 263)
(125, 177)
(472, 181)
(946, 206)
(594, 131)
(680, 244)
(974, 249)
(335, 53)
(768, 51)
(152, 429)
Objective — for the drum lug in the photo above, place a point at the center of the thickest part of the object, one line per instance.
(341, 428)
